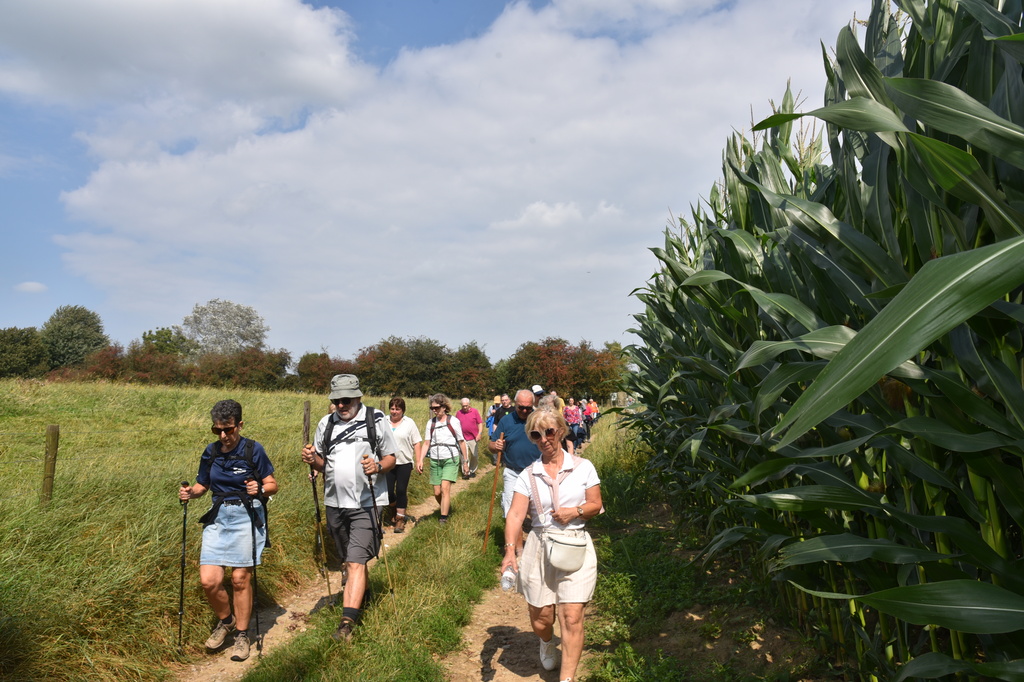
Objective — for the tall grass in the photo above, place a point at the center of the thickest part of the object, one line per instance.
(89, 584)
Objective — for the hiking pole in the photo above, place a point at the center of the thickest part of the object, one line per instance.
(380, 543)
(319, 550)
(255, 585)
(181, 589)
(494, 490)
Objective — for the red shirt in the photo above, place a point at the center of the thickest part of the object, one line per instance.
(471, 422)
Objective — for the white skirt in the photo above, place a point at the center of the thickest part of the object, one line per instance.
(542, 584)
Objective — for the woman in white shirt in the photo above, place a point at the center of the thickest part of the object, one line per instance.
(446, 448)
(563, 491)
(407, 439)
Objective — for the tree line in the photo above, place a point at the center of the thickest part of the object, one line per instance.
(224, 344)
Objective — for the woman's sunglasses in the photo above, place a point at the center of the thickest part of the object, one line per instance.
(536, 435)
(227, 429)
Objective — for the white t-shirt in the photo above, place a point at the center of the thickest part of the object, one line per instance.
(442, 445)
(406, 436)
(572, 491)
(345, 484)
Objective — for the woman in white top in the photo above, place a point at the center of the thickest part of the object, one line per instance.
(407, 439)
(446, 447)
(563, 491)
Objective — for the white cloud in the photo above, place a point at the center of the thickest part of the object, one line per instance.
(30, 288)
(469, 186)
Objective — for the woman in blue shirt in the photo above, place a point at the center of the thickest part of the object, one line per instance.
(239, 473)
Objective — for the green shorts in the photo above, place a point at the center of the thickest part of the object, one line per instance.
(444, 470)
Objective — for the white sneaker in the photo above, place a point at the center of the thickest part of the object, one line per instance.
(550, 656)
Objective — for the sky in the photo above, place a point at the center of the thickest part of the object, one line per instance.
(461, 170)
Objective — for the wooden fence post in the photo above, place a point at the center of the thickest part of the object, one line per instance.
(49, 463)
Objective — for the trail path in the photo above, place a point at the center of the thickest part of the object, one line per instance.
(499, 642)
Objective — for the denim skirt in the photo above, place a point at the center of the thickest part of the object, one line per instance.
(228, 540)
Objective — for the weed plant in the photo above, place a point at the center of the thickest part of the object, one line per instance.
(89, 583)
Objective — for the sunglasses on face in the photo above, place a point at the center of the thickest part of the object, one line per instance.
(342, 401)
(536, 435)
(525, 408)
(436, 407)
(217, 430)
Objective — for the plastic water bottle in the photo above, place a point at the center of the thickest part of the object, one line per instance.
(508, 579)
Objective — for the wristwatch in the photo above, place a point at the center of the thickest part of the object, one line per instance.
(579, 510)
(380, 467)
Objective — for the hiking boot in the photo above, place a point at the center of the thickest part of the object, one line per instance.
(442, 522)
(220, 633)
(240, 651)
(550, 656)
(400, 524)
(344, 631)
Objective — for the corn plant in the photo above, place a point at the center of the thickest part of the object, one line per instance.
(831, 349)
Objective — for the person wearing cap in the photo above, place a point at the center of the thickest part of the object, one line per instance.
(538, 393)
(353, 486)
(517, 450)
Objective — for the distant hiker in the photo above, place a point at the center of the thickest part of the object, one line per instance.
(504, 408)
(574, 418)
(350, 447)
(471, 422)
(240, 475)
(558, 567)
(517, 451)
(407, 440)
(445, 446)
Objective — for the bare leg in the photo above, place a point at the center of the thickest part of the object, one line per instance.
(570, 618)
(446, 497)
(212, 580)
(241, 584)
(438, 495)
(355, 588)
(542, 618)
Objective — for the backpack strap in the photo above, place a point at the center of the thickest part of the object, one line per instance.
(448, 423)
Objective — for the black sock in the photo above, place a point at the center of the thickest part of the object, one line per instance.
(242, 633)
(227, 621)
(353, 613)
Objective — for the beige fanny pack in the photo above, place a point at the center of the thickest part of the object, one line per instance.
(566, 552)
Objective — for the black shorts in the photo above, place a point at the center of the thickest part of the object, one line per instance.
(354, 533)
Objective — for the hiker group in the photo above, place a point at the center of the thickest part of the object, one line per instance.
(365, 460)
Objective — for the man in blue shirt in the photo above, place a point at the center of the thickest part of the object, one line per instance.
(516, 448)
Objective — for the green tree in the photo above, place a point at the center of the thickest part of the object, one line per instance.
(168, 341)
(407, 367)
(71, 334)
(223, 327)
(467, 372)
(22, 353)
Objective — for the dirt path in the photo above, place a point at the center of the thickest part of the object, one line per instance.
(499, 642)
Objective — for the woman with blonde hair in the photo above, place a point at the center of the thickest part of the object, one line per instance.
(558, 567)
(446, 448)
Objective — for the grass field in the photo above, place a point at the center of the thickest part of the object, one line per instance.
(89, 584)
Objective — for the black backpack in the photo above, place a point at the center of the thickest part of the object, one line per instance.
(371, 432)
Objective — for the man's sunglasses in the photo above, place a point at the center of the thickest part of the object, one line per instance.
(536, 435)
(342, 401)
(525, 408)
(227, 429)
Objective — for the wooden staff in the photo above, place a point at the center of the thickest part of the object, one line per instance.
(320, 551)
(494, 489)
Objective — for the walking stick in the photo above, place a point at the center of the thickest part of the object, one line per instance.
(255, 585)
(181, 589)
(319, 551)
(380, 543)
(494, 490)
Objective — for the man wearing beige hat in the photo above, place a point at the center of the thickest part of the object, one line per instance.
(353, 447)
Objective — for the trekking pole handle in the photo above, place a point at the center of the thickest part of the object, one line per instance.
(184, 484)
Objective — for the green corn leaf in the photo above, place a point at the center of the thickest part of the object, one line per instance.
(933, 665)
(946, 292)
(953, 111)
(947, 437)
(849, 548)
(964, 605)
(812, 497)
(958, 173)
